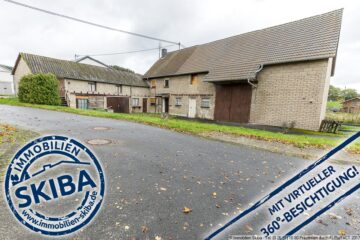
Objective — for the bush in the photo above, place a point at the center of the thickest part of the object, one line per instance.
(39, 89)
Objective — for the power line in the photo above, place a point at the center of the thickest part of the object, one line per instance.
(118, 53)
(90, 23)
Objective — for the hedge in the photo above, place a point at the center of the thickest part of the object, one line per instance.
(39, 89)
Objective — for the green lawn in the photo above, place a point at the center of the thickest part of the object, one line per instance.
(333, 104)
(308, 139)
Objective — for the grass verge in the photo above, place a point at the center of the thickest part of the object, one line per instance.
(198, 128)
(11, 138)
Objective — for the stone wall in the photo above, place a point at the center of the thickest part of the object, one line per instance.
(181, 87)
(294, 92)
(77, 87)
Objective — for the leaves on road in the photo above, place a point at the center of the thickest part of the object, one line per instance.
(187, 210)
(342, 232)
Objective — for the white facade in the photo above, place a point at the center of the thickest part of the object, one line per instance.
(6, 81)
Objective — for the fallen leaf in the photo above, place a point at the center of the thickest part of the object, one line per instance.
(342, 232)
(144, 229)
(349, 211)
(249, 228)
(187, 210)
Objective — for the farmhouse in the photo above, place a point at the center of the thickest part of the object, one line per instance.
(274, 76)
(351, 105)
(88, 86)
(6, 80)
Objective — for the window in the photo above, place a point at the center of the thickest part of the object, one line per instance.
(92, 86)
(119, 89)
(152, 101)
(205, 102)
(135, 102)
(153, 83)
(178, 101)
(194, 79)
(82, 103)
(166, 83)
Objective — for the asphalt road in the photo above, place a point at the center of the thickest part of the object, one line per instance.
(152, 173)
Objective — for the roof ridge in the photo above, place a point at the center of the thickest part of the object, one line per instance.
(74, 62)
(275, 26)
(235, 57)
(65, 69)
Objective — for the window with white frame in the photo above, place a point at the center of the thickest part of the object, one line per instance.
(178, 101)
(119, 89)
(135, 102)
(166, 83)
(92, 86)
(205, 102)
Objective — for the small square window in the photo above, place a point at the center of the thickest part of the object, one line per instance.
(194, 79)
(153, 83)
(119, 89)
(152, 101)
(135, 102)
(178, 101)
(92, 86)
(166, 83)
(205, 102)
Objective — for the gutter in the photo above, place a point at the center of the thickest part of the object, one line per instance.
(260, 67)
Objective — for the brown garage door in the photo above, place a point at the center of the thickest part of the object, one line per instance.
(119, 104)
(233, 102)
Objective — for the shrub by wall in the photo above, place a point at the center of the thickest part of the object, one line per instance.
(39, 89)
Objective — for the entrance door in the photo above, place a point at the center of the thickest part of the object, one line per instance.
(192, 108)
(118, 104)
(233, 102)
(144, 105)
(165, 105)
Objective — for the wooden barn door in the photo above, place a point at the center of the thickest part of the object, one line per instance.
(233, 103)
(144, 105)
(118, 104)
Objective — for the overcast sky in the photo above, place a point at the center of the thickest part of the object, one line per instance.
(189, 21)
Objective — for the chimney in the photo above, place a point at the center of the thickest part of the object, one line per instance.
(163, 52)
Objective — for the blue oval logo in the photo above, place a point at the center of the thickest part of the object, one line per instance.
(54, 185)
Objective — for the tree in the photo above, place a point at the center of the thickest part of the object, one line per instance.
(334, 93)
(338, 94)
(349, 93)
(39, 89)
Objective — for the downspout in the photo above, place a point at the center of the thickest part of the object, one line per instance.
(261, 66)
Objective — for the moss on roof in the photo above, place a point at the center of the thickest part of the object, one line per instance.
(73, 70)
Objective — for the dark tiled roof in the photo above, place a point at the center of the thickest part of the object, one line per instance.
(6, 67)
(238, 57)
(80, 71)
